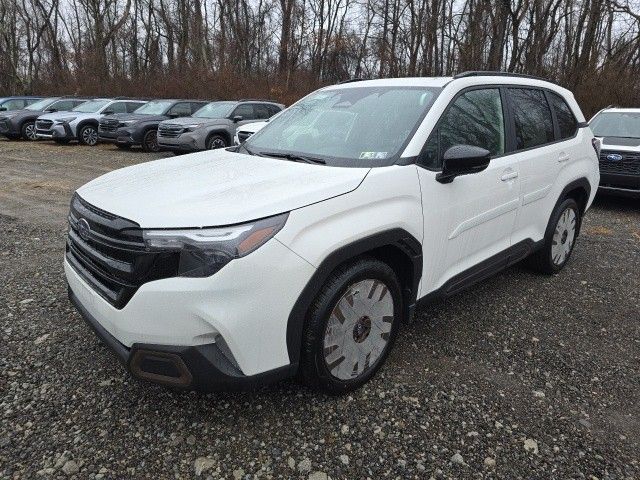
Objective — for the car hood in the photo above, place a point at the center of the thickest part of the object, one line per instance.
(215, 188)
(21, 113)
(65, 115)
(137, 116)
(195, 120)
(620, 143)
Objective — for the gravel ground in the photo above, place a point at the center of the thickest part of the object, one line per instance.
(523, 376)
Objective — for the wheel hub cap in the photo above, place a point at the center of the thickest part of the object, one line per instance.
(563, 237)
(359, 329)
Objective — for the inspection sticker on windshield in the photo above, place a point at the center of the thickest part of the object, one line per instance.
(373, 155)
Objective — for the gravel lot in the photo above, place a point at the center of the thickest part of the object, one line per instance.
(522, 376)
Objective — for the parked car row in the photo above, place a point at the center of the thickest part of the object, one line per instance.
(176, 125)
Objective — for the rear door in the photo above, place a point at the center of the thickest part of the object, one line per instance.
(470, 219)
(541, 154)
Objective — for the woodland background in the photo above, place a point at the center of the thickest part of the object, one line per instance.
(283, 49)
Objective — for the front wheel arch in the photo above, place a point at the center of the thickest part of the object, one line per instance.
(384, 246)
(220, 133)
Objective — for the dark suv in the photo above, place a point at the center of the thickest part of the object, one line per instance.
(140, 127)
(214, 125)
(22, 123)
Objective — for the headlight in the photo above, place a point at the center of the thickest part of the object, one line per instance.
(128, 122)
(192, 127)
(205, 251)
(63, 120)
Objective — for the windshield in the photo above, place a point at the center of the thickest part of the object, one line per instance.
(215, 110)
(41, 104)
(92, 106)
(616, 124)
(350, 127)
(155, 108)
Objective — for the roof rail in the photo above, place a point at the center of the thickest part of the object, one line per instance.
(489, 73)
(351, 80)
(256, 100)
(142, 99)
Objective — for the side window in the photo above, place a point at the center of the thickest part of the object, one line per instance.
(75, 103)
(195, 106)
(261, 111)
(180, 110)
(14, 104)
(245, 111)
(273, 110)
(117, 107)
(133, 106)
(63, 105)
(567, 123)
(474, 118)
(532, 116)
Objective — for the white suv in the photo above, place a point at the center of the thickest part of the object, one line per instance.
(303, 250)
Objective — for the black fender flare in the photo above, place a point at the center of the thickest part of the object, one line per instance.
(84, 123)
(580, 183)
(398, 238)
(222, 133)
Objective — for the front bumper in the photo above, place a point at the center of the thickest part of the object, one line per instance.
(186, 142)
(122, 136)
(200, 367)
(58, 131)
(620, 184)
(237, 309)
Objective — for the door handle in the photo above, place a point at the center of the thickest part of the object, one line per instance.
(509, 176)
(563, 157)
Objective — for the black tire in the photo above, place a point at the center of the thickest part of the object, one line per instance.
(123, 146)
(28, 131)
(150, 141)
(216, 141)
(544, 260)
(314, 369)
(88, 135)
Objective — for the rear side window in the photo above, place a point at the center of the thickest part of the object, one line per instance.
(117, 107)
(245, 111)
(273, 110)
(532, 116)
(180, 110)
(474, 118)
(261, 111)
(133, 106)
(567, 123)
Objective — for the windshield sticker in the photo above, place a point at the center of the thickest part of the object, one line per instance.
(373, 155)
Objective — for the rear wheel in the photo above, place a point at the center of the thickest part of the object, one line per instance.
(88, 135)
(351, 326)
(216, 141)
(562, 233)
(150, 141)
(28, 131)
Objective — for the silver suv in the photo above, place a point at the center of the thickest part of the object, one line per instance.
(213, 126)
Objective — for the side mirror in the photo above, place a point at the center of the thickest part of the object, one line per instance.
(107, 112)
(51, 110)
(237, 118)
(463, 160)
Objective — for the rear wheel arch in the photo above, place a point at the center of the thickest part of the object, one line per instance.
(580, 191)
(396, 247)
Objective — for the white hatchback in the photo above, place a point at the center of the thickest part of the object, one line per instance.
(305, 248)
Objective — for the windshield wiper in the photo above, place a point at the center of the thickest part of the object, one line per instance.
(294, 157)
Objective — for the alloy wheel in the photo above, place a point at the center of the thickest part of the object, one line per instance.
(89, 136)
(30, 131)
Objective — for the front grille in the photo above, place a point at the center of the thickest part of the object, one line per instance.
(108, 125)
(629, 165)
(111, 256)
(242, 136)
(170, 130)
(43, 124)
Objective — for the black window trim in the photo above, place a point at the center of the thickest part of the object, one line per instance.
(507, 117)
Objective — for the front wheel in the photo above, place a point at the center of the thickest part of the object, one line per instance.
(562, 233)
(351, 326)
(28, 131)
(150, 141)
(216, 141)
(88, 135)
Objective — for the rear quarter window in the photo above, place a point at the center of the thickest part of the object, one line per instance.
(567, 123)
(532, 117)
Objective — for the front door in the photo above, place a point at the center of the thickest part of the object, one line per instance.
(472, 218)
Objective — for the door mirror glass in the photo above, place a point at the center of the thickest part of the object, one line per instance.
(237, 118)
(463, 160)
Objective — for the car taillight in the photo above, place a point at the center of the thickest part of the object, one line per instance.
(596, 145)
